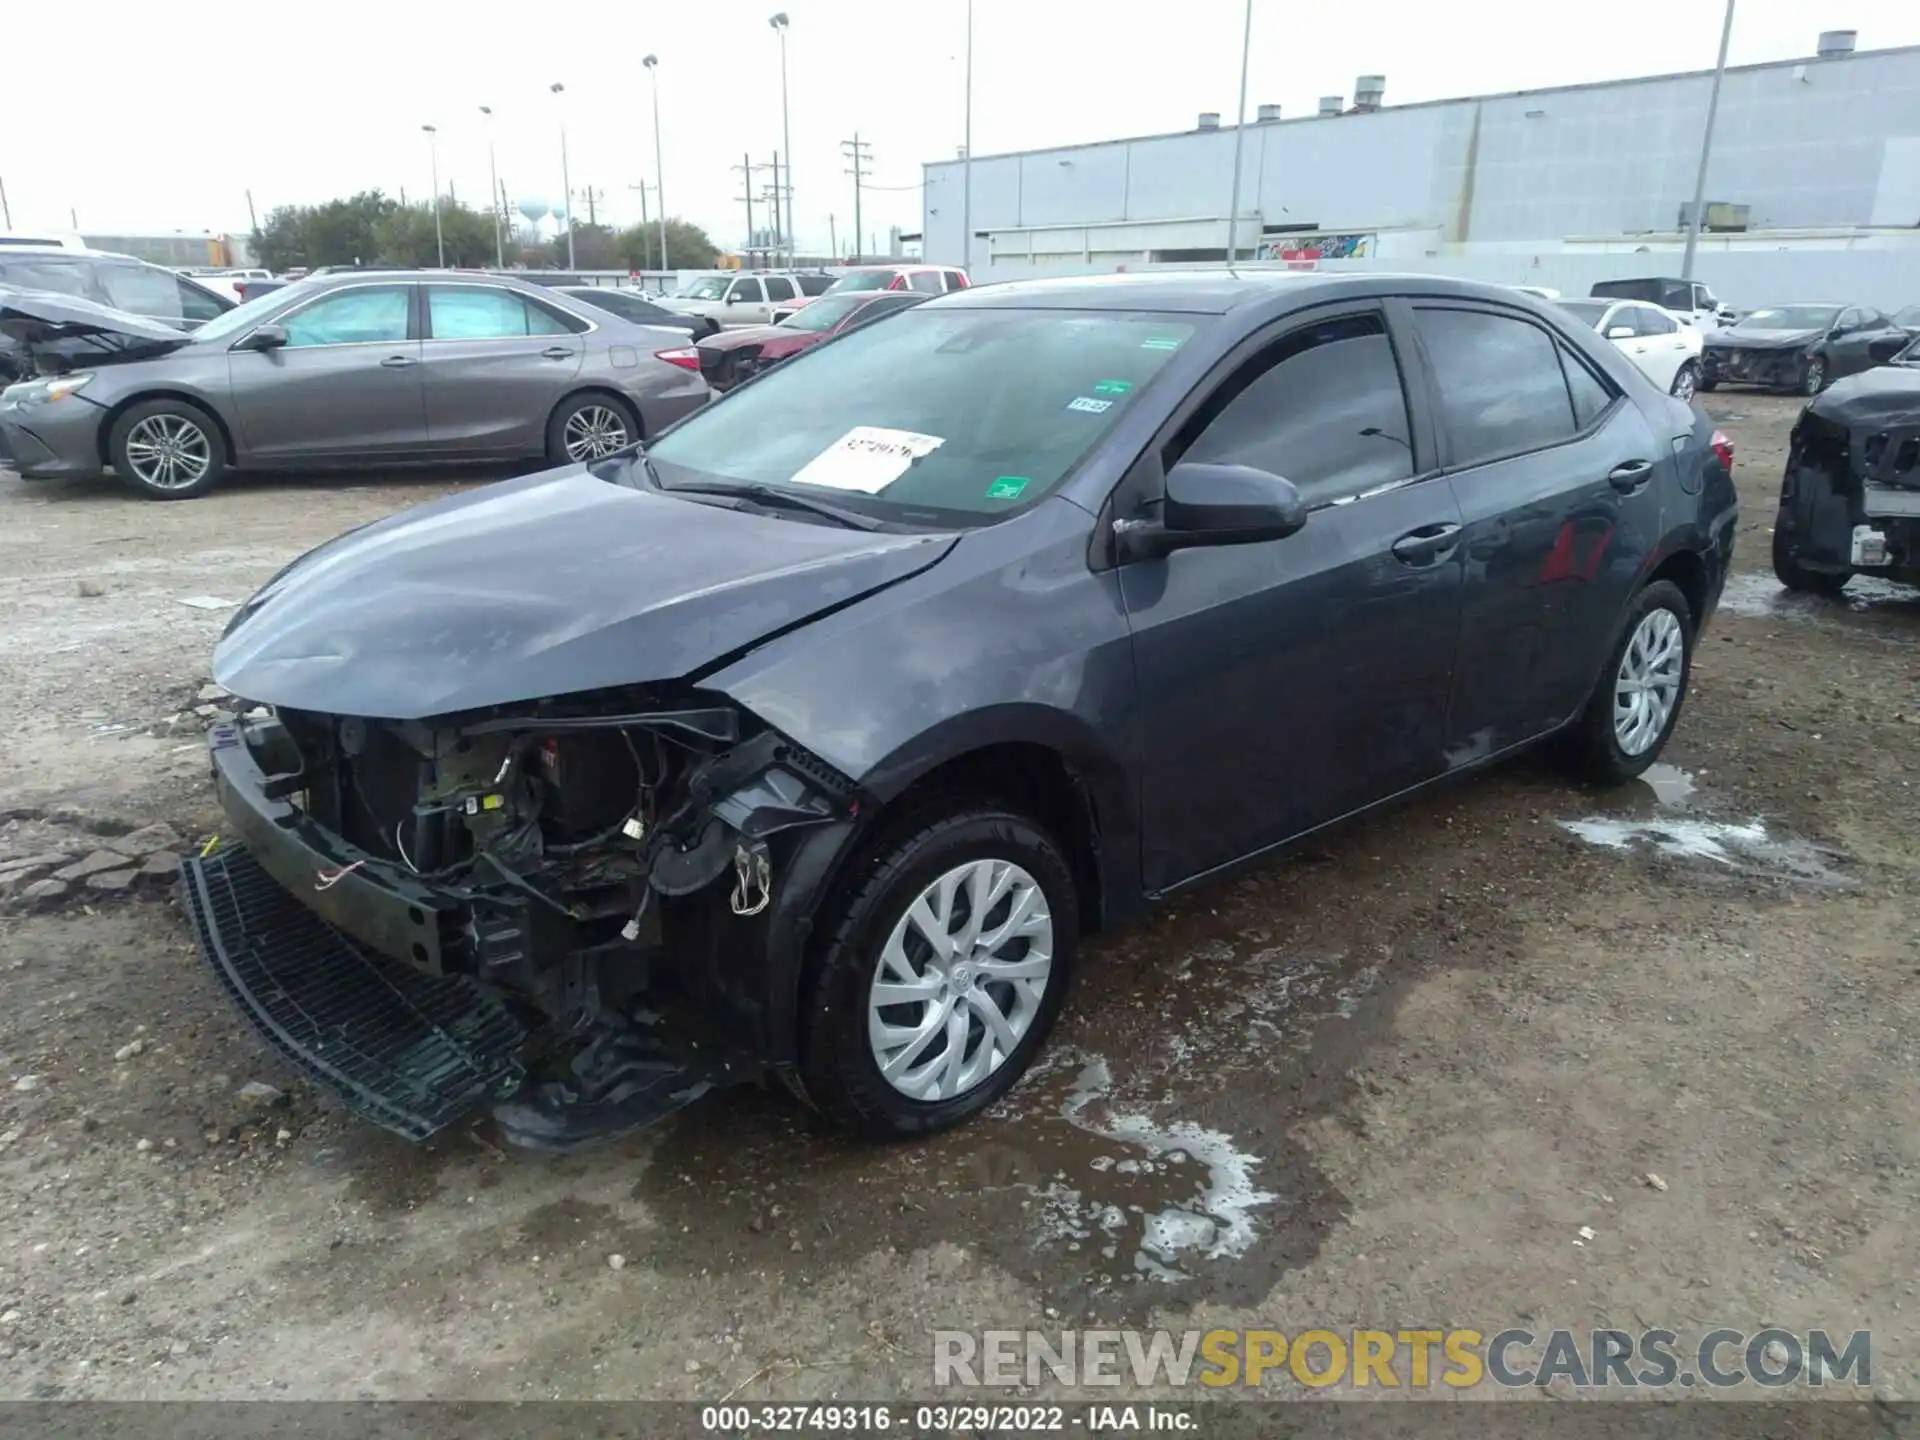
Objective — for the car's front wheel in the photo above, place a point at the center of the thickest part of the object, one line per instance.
(948, 958)
(1637, 703)
(167, 449)
(1686, 380)
(1813, 378)
(1788, 570)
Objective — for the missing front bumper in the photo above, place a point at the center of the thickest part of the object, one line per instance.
(409, 1051)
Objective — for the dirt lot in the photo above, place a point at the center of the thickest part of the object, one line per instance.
(1383, 1082)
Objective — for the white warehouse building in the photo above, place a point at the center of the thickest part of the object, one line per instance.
(1821, 152)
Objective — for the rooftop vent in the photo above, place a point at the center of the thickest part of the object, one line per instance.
(1269, 114)
(1209, 120)
(1835, 43)
(1369, 91)
(1332, 104)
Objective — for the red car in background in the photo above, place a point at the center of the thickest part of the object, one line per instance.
(921, 279)
(735, 355)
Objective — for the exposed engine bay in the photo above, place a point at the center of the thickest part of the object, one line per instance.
(547, 857)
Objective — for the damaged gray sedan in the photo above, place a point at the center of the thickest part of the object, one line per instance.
(811, 741)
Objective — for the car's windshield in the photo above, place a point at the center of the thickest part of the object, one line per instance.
(1790, 317)
(708, 287)
(861, 280)
(1908, 318)
(251, 312)
(1587, 312)
(943, 416)
(825, 313)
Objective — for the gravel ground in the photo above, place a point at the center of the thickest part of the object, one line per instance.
(1401, 1069)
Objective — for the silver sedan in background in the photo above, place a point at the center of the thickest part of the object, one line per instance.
(352, 369)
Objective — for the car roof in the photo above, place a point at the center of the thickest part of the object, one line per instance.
(1210, 292)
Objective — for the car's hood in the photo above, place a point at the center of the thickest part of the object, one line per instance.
(1887, 395)
(1762, 339)
(40, 319)
(743, 335)
(554, 584)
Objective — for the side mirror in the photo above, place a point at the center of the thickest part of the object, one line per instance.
(1620, 332)
(264, 337)
(733, 297)
(1215, 505)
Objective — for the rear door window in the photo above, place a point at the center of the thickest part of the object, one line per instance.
(144, 290)
(927, 282)
(1501, 387)
(473, 312)
(955, 280)
(779, 288)
(813, 284)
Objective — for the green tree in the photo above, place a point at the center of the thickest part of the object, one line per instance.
(405, 235)
(688, 247)
(339, 232)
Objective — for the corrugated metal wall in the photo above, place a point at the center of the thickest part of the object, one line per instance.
(1819, 143)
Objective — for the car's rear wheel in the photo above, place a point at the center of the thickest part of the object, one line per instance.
(1686, 380)
(590, 427)
(1788, 570)
(1638, 700)
(167, 449)
(1813, 378)
(948, 958)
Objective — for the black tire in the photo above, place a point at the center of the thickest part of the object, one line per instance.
(1798, 578)
(167, 419)
(1592, 746)
(1813, 376)
(838, 1069)
(1687, 379)
(583, 403)
(1707, 383)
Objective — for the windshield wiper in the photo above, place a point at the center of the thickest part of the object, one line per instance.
(770, 495)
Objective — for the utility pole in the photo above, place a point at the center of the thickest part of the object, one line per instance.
(966, 169)
(745, 167)
(779, 22)
(1239, 135)
(498, 198)
(6, 210)
(857, 150)
(1706, 148)
(651, 63)
(833, 238)
(593, 213)
(782, 242)
(252, 219)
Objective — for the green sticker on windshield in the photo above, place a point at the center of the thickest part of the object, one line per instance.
(1112, 387)
(1007, 487)
(1160, 342)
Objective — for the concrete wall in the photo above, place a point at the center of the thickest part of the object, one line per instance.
(1819, 143)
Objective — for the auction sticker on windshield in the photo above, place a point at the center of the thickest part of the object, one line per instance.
(868, 458)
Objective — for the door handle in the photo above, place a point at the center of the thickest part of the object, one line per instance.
(1629, 477)
(398, 362)
(557, 352)
(1428, 543)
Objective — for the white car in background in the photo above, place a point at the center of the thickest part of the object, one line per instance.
(1665, 348)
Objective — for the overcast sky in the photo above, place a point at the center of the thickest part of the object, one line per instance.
(176, 112)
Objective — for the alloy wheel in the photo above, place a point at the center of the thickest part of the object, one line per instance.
(168, 452)
(593, 431)
(960, 980)
(1683, 383)
(1647, 687)
(1815, 378)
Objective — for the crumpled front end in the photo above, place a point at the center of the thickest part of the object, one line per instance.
(1850, 498)
(1774, 367)
(487, 900)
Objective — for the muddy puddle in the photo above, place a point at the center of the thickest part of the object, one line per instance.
(1128, 1170)
(1763, 597)
(1668, 812)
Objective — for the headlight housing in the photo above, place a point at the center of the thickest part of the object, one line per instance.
(45, 391)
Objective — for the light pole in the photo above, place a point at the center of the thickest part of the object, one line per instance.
(779, 22)
(652, 63)
(433, 153)
(966, 168)
(493, 194)
(1239, 134)
(566, 180)
(1706, 148)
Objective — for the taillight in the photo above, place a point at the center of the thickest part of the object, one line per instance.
(687, 357)
(1723, 448)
